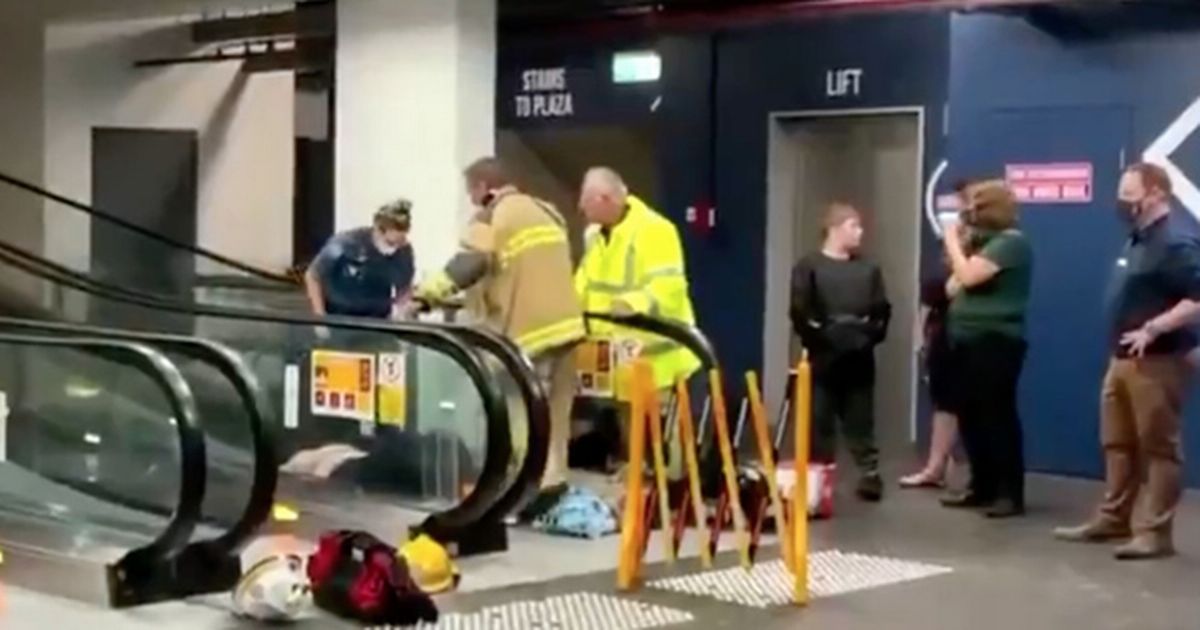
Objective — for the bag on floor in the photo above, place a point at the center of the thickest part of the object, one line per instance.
(580, 513)
(356, 576)
(821, 481)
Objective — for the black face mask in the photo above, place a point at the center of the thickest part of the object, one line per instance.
(1128, 211)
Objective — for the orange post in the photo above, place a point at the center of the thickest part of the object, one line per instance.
(657, 444)
(803, 422)
(687, 436)
(766, 454)
(630, 560)
(725, 445)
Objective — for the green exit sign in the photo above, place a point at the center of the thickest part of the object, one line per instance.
(640, 66)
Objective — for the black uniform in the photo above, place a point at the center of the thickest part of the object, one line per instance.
(841, 312)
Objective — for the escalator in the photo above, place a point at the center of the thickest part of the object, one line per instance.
(452, 462)
(75, 488)
(262, 315)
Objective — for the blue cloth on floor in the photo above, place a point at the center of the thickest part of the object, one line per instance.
(579, 513)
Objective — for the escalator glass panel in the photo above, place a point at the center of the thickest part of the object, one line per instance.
(90, 454)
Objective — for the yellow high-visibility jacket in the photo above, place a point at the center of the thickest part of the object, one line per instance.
(639, 262)
(515, 265)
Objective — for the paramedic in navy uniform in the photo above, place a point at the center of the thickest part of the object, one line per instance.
(365, 272)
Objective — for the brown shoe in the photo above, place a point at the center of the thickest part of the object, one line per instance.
(1093, 532)
(1144, 548)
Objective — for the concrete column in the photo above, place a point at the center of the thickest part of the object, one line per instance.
(415, 104)
(21, 101)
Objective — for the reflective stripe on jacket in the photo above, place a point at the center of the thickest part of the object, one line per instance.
(525, 292)
(640, 263)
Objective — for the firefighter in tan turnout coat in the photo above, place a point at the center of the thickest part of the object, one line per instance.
(515, 266)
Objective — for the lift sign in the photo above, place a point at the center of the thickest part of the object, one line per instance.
(1059, 183)
(544, 94)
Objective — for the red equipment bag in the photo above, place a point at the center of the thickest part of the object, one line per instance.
(356, 576)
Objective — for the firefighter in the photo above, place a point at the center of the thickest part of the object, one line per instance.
(515, 265)
(633, 263)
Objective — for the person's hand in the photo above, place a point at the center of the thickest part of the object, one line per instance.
(1136, 342)
(621, 308)
(953, 287)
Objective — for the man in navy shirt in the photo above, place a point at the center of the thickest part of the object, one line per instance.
(1154, 299)
(366, 271)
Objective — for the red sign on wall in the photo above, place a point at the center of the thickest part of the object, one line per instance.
(1060, 183)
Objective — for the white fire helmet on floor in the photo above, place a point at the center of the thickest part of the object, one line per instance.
(275, 589)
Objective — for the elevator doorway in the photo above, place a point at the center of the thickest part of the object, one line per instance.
(550, 164)
(871, 159)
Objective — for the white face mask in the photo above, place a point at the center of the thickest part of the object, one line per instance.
(384, 247)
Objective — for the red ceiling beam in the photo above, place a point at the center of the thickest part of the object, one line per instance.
(652, 19)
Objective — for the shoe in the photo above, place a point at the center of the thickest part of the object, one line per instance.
(1005, 508)
(870, 487)
(922, 480)
(542, 503)
(966, 500)
(1144, 548)
(1097, 531)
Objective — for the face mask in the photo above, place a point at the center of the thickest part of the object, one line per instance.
(384, 247)
(1128, 211)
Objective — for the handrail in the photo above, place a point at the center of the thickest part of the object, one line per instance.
(229, 365)
(686, 335)
(537, 406)
(193, 473)
(443, 525)
(148, 233)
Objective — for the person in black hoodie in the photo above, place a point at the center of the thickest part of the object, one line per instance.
(840, 311)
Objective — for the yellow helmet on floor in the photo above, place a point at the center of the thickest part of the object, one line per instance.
(429, 564)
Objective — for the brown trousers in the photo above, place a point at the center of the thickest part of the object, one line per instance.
(556, 369)
(1141, 409)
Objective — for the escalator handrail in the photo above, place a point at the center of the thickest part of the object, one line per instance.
(537, 405)
(146, 232)
(491, 483)
(686, 335)
(228, 364)
(193, 458)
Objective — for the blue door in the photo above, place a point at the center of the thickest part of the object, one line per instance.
(1075, 245)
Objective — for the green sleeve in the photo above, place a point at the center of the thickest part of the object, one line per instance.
(1008, 251)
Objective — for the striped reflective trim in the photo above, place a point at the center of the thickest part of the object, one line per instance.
(658, 348)
(552, 335)
(663, 272)
(527, 239)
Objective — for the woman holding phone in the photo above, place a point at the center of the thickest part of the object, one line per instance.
(987, 337)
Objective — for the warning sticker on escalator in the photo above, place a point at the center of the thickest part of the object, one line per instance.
(343, 385)
(392, 394)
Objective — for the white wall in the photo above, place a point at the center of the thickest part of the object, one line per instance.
(415, 105)
(245, 126)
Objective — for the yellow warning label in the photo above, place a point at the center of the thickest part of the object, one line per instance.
(393, 395)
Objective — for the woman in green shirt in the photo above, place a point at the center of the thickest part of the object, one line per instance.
(987, 334)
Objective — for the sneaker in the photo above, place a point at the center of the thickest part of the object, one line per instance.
(1096, 531)
(870, 487)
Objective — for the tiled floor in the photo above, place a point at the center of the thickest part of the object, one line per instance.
(903, 565)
